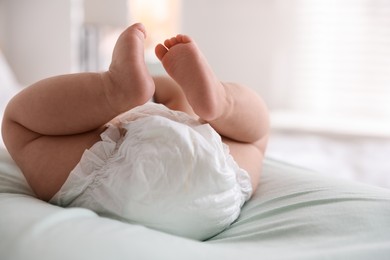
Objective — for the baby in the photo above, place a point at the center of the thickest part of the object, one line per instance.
(75, 144)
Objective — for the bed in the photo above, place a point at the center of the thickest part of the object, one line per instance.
(295, 214)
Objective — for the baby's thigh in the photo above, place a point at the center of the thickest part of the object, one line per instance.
(46, 161)
(249, 157)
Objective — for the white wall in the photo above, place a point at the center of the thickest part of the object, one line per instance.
(106, 12)
(37, 37)
(241, 40)
(41, 38)
(2, 23)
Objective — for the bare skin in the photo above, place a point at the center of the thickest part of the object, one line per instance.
(48, 125)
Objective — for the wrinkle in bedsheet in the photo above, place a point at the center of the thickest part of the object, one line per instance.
(356, 229)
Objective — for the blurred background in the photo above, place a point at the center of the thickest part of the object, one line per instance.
(323, 67)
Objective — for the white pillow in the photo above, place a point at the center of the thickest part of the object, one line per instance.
(11, 178)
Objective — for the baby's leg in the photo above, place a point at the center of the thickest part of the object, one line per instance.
(170, 94)
(234, 111)
(47, 126)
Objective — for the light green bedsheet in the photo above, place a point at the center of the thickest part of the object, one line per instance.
(295, 214)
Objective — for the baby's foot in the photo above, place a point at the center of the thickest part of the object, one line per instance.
(129, 83)
(185, 63)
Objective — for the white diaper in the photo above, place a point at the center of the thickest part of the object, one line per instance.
(162, 169)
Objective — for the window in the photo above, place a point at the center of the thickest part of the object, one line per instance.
(340, 65)
(160, 17)
(103, 26)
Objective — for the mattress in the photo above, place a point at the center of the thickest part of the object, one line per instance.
(295, 214)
